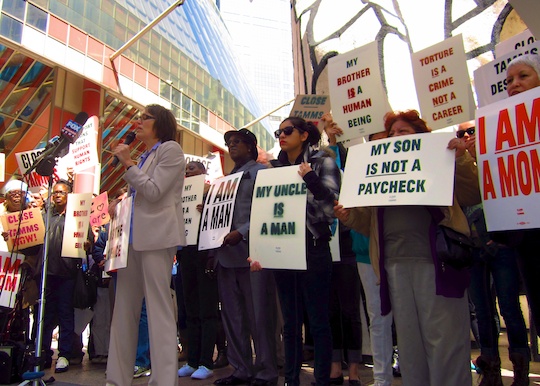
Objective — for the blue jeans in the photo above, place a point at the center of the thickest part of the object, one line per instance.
(503, 268)
(143, 346)
(309, 289)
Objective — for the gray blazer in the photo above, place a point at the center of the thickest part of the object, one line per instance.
(158, 221)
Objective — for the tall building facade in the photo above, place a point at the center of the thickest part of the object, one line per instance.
(55, 62)
(261, 34)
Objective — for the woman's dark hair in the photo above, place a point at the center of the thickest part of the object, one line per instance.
(66, 183)
(164, 123)
(412, 117)
(199, 165)
(314, 136)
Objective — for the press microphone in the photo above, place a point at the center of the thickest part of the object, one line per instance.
(129, 138)
(59, 146)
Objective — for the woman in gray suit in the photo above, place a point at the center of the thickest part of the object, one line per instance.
(157, 229)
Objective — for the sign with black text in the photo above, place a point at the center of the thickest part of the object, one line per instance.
(77, 221)
(191, 197)
(119, 231)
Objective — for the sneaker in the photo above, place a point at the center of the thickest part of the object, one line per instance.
(62, 365)
(202, 372)
(141, 371)
(186, 371)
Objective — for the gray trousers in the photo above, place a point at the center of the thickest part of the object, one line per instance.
(248, 301)
(432, 330)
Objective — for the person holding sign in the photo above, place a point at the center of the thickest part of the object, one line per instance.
(248, 299)
(308, 289)
(427, 299)
(157, 229)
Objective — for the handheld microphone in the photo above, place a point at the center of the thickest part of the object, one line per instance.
(129, 138)
(59, 147)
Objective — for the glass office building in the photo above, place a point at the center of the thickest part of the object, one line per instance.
(54, 62)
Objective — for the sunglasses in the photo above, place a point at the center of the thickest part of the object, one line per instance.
(461, 133)
(286, 130)
(234, 141)
(144, 117)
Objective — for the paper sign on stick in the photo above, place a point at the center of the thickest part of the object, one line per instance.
(76, 225)
(119, 231)
(31, 229)
(442, 84)
(415, 169)
(217, 215)
(10, 277)
(311, 108)
(277, 227)
(517, 42)
(358, 99)
(100, 210)
(25, 160)
(84, 150)
(508, 147)
(191, 197)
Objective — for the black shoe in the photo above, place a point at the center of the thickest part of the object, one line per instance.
(354, 382)
(263, 382)
(221, 361)
(337, 380)
(231, 380)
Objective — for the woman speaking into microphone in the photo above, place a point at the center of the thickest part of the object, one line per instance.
(157, 229)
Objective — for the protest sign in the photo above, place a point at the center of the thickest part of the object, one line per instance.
(507, 145)
(191, 197)
(99, 214)
(358, 98)
(84, 150)
(217, 215)
(311, 108)
(277, 236)
(28, 232)
(490, 79)
(442, 84)
(415, 169)
(517, 42)
(212, 163)
(76, 224)
(10, 277)
(25, 160)
(118, 241)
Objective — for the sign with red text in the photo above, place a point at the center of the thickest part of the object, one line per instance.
(25, 160)
(99, 214)
(119, 231)
(490, 79)
(84, 149)
(212, 163)
(508, 148)
(442, 84)
(10, 277)
(191, 197)
(27, 232)
(311, 108)
(76, 225)
(217, 215)
(514, 43)
(277, 227)
(415, 169)
(358, 98)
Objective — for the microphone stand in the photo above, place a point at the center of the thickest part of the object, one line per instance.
(35, 377)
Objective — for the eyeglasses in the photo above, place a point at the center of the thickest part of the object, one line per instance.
(59, 193)
(144, 117)
(461, 133)
(234, 141)
(15, 193)
(286, 130)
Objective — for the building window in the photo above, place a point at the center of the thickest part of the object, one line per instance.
(37, 17)
(11, 28)
(14, 8)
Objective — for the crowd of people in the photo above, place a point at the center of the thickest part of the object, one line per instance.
(386, 253)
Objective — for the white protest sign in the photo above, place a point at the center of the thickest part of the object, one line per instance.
(514, 43)
(415, 169)
(217, 215)
(277, 227)
(508, 147)
(490, 79)
(191, 197)
(25, 160)
(76, 225)
(119, 231)
(442, 84)
(212, 164)
(358, 98)
(311, 108)
(84, 150)
(10, 277)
